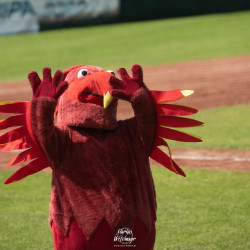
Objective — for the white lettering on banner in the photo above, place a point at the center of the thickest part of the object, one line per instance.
(8, 9)
(20, 16)
(17, 17)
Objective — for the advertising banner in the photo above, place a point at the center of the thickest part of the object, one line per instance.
(20, 16)
(57, 11)
(17, 16)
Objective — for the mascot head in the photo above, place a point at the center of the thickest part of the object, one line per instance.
(87, 101)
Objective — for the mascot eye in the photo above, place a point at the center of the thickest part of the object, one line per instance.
(111, 71)
(82, 73)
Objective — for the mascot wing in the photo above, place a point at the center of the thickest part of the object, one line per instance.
(169, 116)
(22, 138)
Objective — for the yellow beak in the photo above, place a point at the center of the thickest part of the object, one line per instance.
(107, 99)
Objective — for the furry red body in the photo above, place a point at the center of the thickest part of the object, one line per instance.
(100, 166)
(101, 180)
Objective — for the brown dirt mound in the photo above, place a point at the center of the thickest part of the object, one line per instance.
(217, 82)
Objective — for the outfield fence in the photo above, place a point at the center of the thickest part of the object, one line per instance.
(19, 16)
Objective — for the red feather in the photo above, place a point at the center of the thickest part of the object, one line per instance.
(172, 134)
(12, 121)
(12, 135)
(178, 122)
(166, 96)
(31, 168)
(166, 161)
(26, 155)
(15, 145)
(14, 107)
(178, 110)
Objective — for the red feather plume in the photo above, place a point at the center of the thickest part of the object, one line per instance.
(21, 137)
(168, 117)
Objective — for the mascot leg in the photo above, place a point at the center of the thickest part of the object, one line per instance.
(103, 238)
(76, 240)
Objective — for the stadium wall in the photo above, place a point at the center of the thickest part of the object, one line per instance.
(19, 16)
(131, 10)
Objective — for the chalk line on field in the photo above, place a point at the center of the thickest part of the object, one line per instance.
(211, 158)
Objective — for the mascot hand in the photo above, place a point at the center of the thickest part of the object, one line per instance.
(126, 88)
(48, 87)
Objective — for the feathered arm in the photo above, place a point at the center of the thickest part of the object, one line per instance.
(134, 90)
(25, 137)
(45, 95)
(156, 119)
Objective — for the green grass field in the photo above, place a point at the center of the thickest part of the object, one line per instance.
(205, 210)
(148, 43)
(113, 46)
(231, 132)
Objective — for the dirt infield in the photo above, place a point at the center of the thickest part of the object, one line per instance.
(217, 82)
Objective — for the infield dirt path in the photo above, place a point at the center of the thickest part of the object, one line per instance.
(217, 82)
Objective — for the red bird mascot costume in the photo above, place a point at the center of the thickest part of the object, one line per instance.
(102, 191)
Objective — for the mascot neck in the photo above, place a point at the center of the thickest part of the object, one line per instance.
(78, 114)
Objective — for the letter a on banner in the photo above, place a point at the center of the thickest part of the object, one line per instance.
(17, 16)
